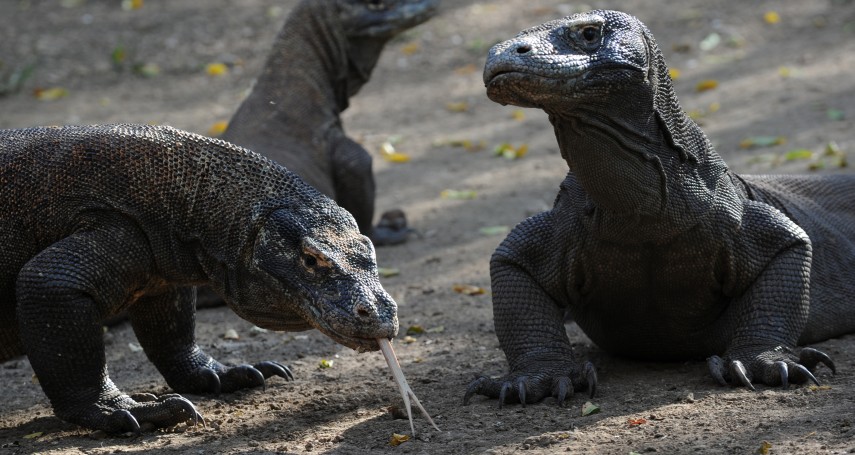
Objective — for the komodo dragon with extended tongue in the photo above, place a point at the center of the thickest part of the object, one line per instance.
(324, 54)
(97, 220)
(653, 246)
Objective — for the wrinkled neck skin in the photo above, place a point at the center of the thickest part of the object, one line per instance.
(307, 80)
(640, 184)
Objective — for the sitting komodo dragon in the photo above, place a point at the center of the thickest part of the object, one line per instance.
(97, 220)
(653, 246)
(324, 54)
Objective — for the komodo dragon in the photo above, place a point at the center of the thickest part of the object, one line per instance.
(324, 54)
(96, 220)
(653, 246)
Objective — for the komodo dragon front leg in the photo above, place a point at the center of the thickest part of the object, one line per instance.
(771, 312)
(62, 295)
(529, 322)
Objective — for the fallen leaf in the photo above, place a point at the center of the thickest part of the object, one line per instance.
(798, 154)
(398, 439)
(674, 73)
(50, 94)
(815, 388)
(785, 71)
(707, 84)
(218, 128)
(772, 17)
(518, 115)
(468, 289)
(494, 230)
(589, 408)
(216, 69)
(764, 448)
(387, 151)
(468, 145)
(510, 152)
(710, 42)
(466, 69)
(118, 55)
(408, 339)
(129, 5)
(387, 272)
(437, 329)
(457, 106)
(637, 422)
(410, 48)
(762, 141)
(147, 69)
(458, 194)
(835, 115)
(415, 330)
(34, 435)
(324, 364)
(231, 334)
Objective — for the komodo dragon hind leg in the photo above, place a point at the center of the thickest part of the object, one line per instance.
(62, 294)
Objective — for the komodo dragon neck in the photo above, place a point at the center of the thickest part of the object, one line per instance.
(298, 98)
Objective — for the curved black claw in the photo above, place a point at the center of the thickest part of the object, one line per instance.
(520, 386)
(270, 368)
(563, 388)
(737, 370)
(591, 377)
(716, 366)
(124, 421)
(185, 405)
(804, 374)
(811, 357)
(241, 377)
(783, 370)
(475, 387)
(504, 392)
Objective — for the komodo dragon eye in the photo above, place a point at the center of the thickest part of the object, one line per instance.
(375, 4)
(590, 34)
(587, 37)
(314, 260)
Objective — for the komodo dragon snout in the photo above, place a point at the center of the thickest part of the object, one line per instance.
(322, 277)
(383, 18)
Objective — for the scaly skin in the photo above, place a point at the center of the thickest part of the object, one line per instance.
(654, 246)
(98, 220)
(324, 54)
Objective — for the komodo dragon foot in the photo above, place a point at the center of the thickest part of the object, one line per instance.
(392, 229)
(778, 366)
(535, 383)
(116, 412)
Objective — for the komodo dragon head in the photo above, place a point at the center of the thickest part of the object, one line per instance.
(309, 267)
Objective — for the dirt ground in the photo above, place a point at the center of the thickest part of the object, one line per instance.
(790, 78)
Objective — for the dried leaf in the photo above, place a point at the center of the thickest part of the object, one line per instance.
(218, 128)
(147, 69)
(398, 439)
(216, 69)
(835, 115)
(457, 106)
(798, 154)
(118, 55)
(408, 339)
(458, 194)
(468, 145)
(324, 364)
(50, 94)
(129, 5)
(387, 151)
(510, 152)
(674, 73)
(231, 334)
(34, 435)
(518, 115)
(468, 289)
(387, 272)
(772, 17)
(637, 422)
(764, 448)
(466, 69)
(415, 330)
(589, 408)
(494, 230)
(437, 329)
(410, 48)
(785, 71)
(707, 84)
(710, 42)
(816, 388)
(762, 141)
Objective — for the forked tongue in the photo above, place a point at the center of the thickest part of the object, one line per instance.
(406, 391)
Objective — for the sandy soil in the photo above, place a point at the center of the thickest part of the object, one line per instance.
(782, 79)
